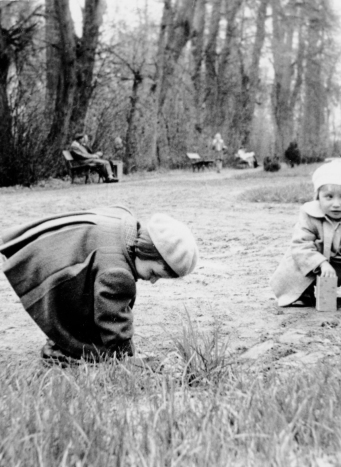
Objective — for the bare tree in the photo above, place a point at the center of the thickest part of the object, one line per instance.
(211, 64)
(251, 81)
(86, 47)
(53, 57)
(315, 98)
(75, 74)
(176, 30)
(198, 56)
(13, 42)
(288, 67)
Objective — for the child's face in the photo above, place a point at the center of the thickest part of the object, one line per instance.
(330, 201)
(149, 270)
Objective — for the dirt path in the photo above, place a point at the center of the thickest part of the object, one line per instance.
(240, 245)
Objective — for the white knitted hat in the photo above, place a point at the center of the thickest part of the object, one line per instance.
(327, 174)
(175, 243)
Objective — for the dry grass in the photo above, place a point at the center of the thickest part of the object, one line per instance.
(211, 412)
(288, 193)
(304, 170)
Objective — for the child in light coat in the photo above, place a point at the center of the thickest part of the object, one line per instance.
(316, 242)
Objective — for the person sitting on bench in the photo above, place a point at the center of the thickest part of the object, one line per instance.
(81, 151)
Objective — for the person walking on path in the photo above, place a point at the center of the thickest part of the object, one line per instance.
(75, 274)
(218, 145)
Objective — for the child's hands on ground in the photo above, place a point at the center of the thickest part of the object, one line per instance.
(327, 270)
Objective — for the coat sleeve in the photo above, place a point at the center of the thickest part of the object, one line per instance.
(115, 293)
(304, 245)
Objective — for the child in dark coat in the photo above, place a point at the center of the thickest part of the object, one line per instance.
(76, 274)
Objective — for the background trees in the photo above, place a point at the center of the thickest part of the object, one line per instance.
(165, 78)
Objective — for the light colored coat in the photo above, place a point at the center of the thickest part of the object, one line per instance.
(75, 278)
(315, 239)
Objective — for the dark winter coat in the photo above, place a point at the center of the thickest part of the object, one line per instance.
(76, 279)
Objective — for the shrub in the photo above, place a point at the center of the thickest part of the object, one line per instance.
(271, 164)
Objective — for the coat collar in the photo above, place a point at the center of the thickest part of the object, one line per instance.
(313, 209)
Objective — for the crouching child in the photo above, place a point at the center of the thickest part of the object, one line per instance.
(316, 242)
(76, 274)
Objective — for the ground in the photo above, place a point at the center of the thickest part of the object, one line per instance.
(240, 245)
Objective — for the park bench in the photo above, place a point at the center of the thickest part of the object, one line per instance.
(198, 163)
(76, 167)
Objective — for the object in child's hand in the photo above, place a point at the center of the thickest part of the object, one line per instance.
(326, 293)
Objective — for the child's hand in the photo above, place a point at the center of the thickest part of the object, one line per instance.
(327, 270)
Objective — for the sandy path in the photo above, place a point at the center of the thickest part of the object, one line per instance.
(240, 245)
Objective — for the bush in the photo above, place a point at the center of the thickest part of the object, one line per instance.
(271, 164)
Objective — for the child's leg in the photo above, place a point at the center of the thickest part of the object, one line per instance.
(336, 263)
(308, 297)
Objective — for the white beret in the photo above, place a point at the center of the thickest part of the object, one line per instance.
(327, 174)
(175, 243)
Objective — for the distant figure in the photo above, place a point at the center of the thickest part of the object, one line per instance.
(271, 164)
(118, 148)
(218, 145)
(81, 151)
(292, 154)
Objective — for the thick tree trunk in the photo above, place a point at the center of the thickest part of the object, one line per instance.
(176, 30)
(71, 86)
(6, 138)
(211, 64)
(66, 87)
(86, 50)
(131, 148)
(198, 55)
(253, 78)
(230, 83)
(53, 58)
(284, 92)
(314, 102)
(167, 20)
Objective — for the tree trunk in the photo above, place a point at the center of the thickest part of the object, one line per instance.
(60, 128)
(314, 102)
(198, 55)
(253, 79)
(6, 137)
(85, 52)
(211, 59)
(131, 142)
(230, 83)
(53, 58)
(75, 74)
(176, 30)
(283, 93)
(167, 20)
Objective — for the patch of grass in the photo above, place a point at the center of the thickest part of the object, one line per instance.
(303, 170)
(288, 193)
(112, 415)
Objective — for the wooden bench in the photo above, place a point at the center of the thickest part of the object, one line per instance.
(76, 167)
(198, 163)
